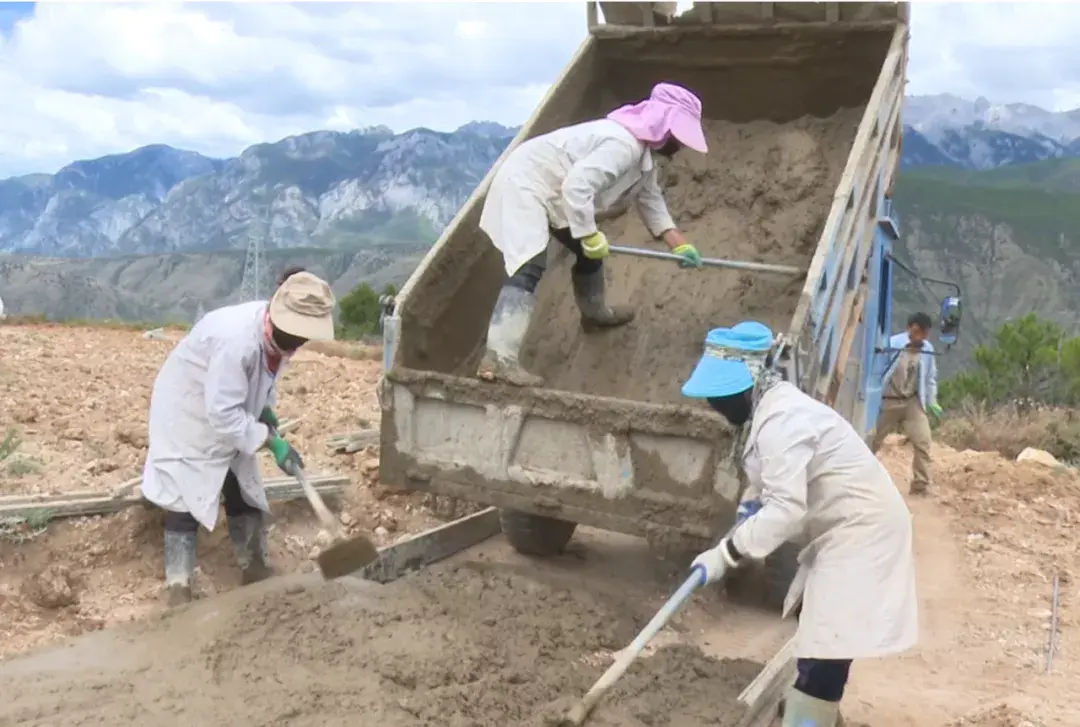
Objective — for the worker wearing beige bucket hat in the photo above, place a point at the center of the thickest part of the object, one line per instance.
(303, 308)
(211, 411)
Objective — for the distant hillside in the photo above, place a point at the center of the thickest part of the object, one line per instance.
(1009, 236)
(171, 288)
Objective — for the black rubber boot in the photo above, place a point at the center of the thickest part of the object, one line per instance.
(506, 335)
(179, 566)
(249, 539)
(589, 292)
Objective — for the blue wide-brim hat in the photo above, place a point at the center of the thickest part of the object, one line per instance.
(733, 357)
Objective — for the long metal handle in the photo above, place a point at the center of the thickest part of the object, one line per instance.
(581, 710)
(709, 262)
(317, 504)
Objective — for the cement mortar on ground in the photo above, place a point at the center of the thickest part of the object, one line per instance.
(761, 194)
(474, 645)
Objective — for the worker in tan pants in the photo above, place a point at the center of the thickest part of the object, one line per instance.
(909, 394)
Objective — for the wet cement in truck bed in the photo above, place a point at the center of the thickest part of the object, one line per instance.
(475, 645)
(762, 194)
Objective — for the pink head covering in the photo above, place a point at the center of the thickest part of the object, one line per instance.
(670, 109)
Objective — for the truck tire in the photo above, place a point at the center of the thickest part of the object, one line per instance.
(779, 571)
(535, 534)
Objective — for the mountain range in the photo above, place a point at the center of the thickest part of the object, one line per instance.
(154, 233)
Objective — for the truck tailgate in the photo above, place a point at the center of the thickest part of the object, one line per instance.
(643, 469)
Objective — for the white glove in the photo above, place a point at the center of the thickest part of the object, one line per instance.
(716, 562)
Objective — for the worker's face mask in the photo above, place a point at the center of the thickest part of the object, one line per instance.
(670, 148)
(286, 341)
(736, 408)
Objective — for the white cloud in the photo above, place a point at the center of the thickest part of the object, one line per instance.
(79, 80)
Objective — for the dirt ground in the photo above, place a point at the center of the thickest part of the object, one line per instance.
(78, 398)
(760, 195)
(481, 640)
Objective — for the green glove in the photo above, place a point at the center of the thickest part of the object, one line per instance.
(287, 458)
(691, 257)
(595, 246)
(936, 411)
(269, 418)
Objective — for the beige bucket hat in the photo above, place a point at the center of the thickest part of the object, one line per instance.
(303, 306)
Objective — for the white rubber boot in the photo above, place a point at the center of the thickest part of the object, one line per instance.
(506, 335)
(179, 566)
(802, 710)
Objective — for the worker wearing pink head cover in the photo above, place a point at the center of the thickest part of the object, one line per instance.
(559, 185)
(671, 113)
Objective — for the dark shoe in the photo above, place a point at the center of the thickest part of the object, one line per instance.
(590, 295)
(249, 539)
(254, 573)
(177, 595)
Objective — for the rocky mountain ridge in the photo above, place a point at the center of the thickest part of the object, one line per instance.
(988, 196)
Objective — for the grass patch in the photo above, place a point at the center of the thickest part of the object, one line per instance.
(1009, 431)
(22, 466)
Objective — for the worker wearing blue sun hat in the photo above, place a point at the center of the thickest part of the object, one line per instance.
(811, 477)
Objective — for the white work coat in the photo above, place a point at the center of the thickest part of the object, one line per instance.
(204, 413)
(819, 484)
(565, 179)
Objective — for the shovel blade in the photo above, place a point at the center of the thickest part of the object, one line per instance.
(347, 556)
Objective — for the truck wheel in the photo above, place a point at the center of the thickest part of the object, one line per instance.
(535, 534)
(779, 571)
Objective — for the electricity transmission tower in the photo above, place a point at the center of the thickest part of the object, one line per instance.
(251, 284)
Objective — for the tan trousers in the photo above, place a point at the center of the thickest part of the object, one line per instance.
(910, 417)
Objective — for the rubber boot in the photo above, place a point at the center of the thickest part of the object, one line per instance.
(802, 710)
(506, 335)
(589, 292)
(248, 535)
(179, 566)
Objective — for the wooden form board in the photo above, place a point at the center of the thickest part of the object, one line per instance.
(825, 325)
(87, 502)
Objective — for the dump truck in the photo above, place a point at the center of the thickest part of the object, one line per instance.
(608, 442)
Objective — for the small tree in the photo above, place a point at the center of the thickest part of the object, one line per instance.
(1028, 361)
(359, 311)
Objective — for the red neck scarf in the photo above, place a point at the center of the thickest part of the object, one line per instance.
(274, 355)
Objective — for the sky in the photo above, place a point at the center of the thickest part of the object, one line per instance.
(79, 80)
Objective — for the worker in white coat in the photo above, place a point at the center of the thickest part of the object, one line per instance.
(211, 411)
(811, 479)
(556, 185)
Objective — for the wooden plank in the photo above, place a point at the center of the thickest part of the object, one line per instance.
(353, 441)
(768, 673)
(431, 546)
(763, 695)
(850, 333)
(61, 506)
(828, 239)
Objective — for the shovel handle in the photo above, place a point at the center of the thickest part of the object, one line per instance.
(581, 710)
(709, 262)
(317, 503)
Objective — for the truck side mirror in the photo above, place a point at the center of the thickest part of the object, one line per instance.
(951, 312)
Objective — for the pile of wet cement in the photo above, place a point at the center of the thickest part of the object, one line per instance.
(472, 646)
(761, 194)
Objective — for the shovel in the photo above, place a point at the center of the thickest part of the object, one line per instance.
(580, 711)
(346, 555)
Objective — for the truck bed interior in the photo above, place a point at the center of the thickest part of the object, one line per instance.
(782, 106)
